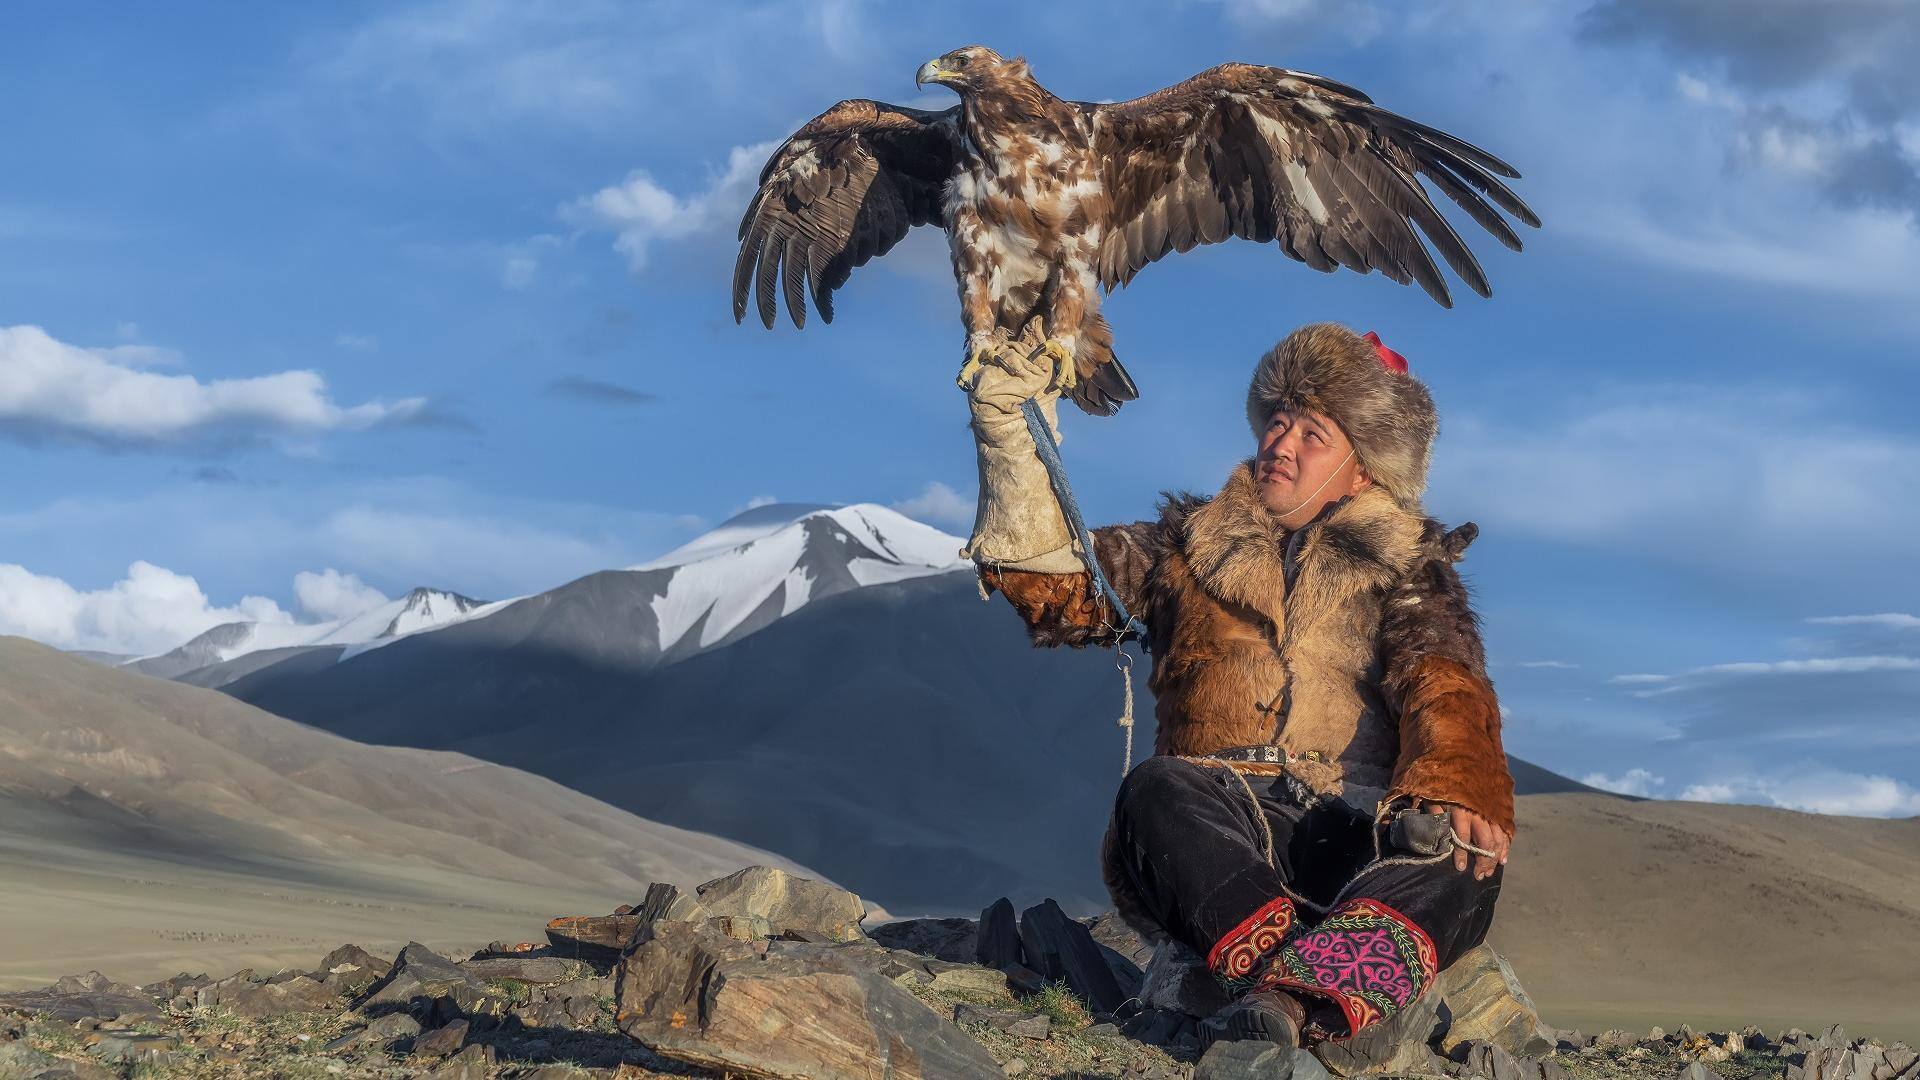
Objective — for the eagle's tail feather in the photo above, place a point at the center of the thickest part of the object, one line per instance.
(1108, 388)
(1103, 385)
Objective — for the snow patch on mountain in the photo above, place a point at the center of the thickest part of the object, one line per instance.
(419, 610)
(793, 552)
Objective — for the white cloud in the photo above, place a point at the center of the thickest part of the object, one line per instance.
(938, 504)
(1808, 787)
(1632, 782)
(1890, 620)
(1815, 790)
(641, 213)
(48, 387)
(1559, 665)
(330, 594)
(1824, 665)
(1701, 465)
(402, 532)
(150, 610)
(356, 342)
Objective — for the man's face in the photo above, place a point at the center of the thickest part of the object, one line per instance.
(1305, 462)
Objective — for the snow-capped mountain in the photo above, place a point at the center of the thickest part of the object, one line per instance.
(421, 609)
(731, 581)
(771, 560)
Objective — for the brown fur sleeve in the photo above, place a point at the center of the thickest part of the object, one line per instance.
(1062, 609)
(1436, 679)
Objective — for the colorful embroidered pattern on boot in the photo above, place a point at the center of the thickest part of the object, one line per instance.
(1240, 955)
(1366, 957)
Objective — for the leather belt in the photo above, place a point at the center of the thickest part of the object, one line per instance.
(1266, 753)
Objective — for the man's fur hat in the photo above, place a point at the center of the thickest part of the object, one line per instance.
(1386, 413)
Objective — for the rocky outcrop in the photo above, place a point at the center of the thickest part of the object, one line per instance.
(761, 974)
(696, 995)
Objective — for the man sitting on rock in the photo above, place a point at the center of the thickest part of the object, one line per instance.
(1326, 728)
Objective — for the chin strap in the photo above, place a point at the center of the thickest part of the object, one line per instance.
(1049, 453)
(1321, 488)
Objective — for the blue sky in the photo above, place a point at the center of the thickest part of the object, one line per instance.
(435, 293)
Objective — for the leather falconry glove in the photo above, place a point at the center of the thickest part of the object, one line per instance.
(1018, 524)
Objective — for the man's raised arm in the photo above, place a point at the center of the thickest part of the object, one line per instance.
(1021, 541)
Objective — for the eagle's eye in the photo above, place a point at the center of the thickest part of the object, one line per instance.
(960, 61)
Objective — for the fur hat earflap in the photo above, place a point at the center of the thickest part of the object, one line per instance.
(1387, 414)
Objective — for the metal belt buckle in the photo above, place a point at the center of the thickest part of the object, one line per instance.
(1266, 754)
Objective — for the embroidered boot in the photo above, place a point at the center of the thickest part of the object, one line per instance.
(1243, 961)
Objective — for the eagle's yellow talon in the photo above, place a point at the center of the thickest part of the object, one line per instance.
(1065, 374)
(970, 370)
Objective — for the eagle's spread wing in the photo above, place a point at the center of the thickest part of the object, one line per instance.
(1270, 154)
(842, 189)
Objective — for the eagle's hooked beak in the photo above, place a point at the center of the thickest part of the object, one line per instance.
(933, 71)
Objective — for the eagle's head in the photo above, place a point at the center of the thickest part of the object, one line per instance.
(974, 67)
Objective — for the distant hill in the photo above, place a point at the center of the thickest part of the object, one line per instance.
(132, 799)
(1633, 912)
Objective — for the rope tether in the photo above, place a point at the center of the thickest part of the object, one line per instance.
(1049, 453)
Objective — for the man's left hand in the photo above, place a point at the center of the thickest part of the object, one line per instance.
(1477, 831)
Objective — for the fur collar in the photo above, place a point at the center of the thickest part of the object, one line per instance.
(1239, 552)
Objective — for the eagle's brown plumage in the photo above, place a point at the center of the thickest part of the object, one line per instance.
(1045, 202)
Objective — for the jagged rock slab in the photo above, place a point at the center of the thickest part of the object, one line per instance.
(1495, 1063)
(241, 996)
(781, 902)
(998, 943)
(422, 977)
(541, 970)
(1177, 981)
(1063, 950)
(1111, 930)
(77, 997)
(693, 994)
(755, 902)
(596, 939)
(1257, 1061)
(383, 1030)
(970, 978)
(350, 969)
(441, 1042)
(953, 940)
(1483, 1001)
(890, 964)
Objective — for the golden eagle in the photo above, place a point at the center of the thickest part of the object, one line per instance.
(1043, 199)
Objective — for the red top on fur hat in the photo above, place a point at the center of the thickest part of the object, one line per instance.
(1389, 359)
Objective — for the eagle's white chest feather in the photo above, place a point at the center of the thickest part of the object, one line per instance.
(1009, 208)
